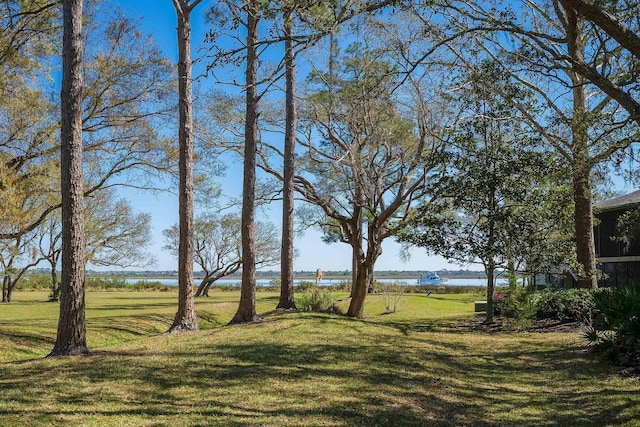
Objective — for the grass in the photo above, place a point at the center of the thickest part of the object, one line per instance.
(411, 368)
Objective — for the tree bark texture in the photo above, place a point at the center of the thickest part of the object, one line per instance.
(623, 35)
(203, 288)
(360, 285)
(71, 335)
(185, 319)
(287, 301)
(354, 271)
(490, 271)
(54, 283)
(247, 307)
(581, 167)
(594, 13)
(366, 263)
(585, 246)
(8, 285)
(6, 296)
(364, 276)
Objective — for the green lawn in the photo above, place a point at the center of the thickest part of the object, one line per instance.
(413, 367)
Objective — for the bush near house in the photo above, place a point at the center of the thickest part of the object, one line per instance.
(522, 305)
(615, 330)
(516, 305)
(569, 305)
(613, 315)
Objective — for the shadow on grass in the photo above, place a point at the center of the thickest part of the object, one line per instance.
(137, 307)
(357, 374)
(22, 338)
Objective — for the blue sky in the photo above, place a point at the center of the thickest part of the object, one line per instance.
(159, 20)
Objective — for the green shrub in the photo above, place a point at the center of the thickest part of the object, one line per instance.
(521, 305)
(516, 305)
(34, 282)
(318, 300)
(615, 329)
(226, 288)
(343, 285)
(274, 283)
(103, 283)
(305, 285)
(443, 289)
(565, 305)
(144, 285)
(106, 283)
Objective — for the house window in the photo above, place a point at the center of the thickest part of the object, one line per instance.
(609, 270)
(621, 273)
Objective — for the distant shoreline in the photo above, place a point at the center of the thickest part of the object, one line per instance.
(301, 275)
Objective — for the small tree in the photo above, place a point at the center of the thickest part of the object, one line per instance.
(17, 256)
(496, 183)
(218, 249)
(50, 247)
(116, 235)
(391, 294)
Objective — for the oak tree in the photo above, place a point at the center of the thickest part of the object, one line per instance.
(582, 123)
(218, 246)
(368, 159)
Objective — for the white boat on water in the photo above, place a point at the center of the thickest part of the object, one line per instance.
(431, 278)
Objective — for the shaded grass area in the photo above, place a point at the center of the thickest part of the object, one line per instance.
(407, 369)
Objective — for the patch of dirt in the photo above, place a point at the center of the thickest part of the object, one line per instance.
(502, 325)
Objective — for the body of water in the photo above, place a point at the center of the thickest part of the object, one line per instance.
(268, 282)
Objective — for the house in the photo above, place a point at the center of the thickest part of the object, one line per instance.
(618, 262)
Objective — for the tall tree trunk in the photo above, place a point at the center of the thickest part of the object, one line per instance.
(513, 278)
(355, 261)
(54, 281)
(71, 335)
(490, 263)
(5, 289)
(490, 271)
(55, 292)
(11, 285)
(287, 301)
(247, 307)
(585, 246)
(185, 319)
(581, 167)
(356, 237)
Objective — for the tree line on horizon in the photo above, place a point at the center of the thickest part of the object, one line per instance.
(477, 130)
